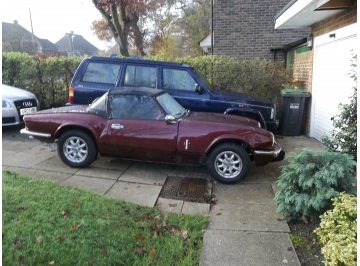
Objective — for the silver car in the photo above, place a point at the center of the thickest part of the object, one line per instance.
(15, 104)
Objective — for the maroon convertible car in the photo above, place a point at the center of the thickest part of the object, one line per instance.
(149, 125)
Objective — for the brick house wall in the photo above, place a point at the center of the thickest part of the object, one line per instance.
(303, 62)
(245, 29)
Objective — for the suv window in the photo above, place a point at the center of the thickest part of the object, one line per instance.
(140, 76)
(101, 73)
(134, 107)
(178, 80)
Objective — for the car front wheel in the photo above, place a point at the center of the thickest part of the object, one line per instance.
(228, 163)
(76, 148)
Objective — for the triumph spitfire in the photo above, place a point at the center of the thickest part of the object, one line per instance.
(149, 125)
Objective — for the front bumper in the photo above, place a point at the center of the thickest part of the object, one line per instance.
(263, 157)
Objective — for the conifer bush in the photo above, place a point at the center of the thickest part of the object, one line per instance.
(338, 232)
(309, 182)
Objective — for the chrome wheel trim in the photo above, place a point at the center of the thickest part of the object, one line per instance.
(75, 149)
(228, 164)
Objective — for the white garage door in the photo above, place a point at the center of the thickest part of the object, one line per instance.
(332, 84)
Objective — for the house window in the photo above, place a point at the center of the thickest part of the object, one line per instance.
(101, 73)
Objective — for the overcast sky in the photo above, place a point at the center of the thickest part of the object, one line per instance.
(52, 19)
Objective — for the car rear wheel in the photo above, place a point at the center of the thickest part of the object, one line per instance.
(228, 163)
(76, 148)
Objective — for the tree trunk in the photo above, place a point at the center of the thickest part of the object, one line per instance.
(138, 38)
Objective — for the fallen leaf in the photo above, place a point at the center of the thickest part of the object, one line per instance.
(73, 227)
(62, 238)
(17, 240)
(21, 208)
(19, 247)
(153, 252)
(139, 237)
(173, 205)
(123, 223)
(21, 260)
(51, 263)
(219, 213)
(66, 213)
(139, 250)
(104, 252)
(38, 239)
(75, 201)
(185, 235)
(147, 216)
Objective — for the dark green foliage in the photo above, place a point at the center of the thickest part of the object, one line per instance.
(47, 77)
(344, 136)
(309, 182)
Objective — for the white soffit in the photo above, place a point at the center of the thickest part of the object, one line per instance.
(302, 14)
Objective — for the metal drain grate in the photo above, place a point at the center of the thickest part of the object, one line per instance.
(184, 188)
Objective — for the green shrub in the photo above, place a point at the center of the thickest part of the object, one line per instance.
(47, 77)
(309, 182)
(344, 136)
(338, 232)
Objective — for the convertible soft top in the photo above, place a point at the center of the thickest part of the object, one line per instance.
(135, 91)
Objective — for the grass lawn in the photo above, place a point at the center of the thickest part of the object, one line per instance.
(44, 223)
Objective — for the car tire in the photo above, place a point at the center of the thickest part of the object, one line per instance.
(76, 148)
(228, 163)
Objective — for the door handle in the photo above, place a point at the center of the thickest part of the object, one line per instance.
(117, 126)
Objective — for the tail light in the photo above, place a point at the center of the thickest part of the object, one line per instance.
(71, 95)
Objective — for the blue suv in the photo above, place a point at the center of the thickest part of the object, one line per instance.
(96, 75)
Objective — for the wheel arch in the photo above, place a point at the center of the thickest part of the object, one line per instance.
(238, 142)
(65, 128)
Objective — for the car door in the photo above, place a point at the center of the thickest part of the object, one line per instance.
(138, 130)
(180, 84)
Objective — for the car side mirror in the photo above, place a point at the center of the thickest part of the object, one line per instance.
(170, 119)
(198, 89)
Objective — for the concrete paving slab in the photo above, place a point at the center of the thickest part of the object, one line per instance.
(234, 248)
(48, 175)
(141, 194)
(111, 163)
(169, 205)
(297, 143)
(247, 217)
(27, 158)
(93, 171)
(98, 185)
(55, 164)
(144, 174)
(19, 145)
(195, 208)
(243, 193)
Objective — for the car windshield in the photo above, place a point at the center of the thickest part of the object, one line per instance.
(170, 105)
(205, 81)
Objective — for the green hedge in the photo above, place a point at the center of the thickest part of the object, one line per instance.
(47, 77)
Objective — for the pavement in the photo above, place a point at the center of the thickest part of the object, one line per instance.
(244, 228)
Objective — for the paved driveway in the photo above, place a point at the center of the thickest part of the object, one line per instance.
(244, 226)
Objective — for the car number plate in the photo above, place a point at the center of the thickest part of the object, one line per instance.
(28, 110)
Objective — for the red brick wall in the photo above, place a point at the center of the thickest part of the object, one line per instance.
(349, 16)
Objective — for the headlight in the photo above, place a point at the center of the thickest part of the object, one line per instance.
(5, 104)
